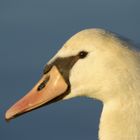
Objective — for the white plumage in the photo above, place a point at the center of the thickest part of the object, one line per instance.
(111, 74)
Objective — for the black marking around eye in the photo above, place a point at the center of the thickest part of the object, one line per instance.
(64, 65)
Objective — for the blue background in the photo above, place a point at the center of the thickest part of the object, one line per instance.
(31, 32)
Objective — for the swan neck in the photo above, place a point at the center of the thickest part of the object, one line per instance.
(120, 120)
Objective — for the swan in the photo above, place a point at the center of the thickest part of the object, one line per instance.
(99, 64)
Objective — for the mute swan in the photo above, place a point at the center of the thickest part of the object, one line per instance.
(98, 64)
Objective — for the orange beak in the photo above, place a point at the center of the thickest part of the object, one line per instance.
(50, 86)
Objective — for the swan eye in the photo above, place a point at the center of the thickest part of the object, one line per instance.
(83, 54)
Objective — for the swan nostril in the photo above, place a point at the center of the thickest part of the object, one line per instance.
(43, 84)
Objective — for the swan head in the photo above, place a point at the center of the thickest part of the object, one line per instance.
(92, 63)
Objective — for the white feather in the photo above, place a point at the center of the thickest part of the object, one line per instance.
(111, 74)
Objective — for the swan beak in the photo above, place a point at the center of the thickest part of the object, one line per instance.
(49, 87)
